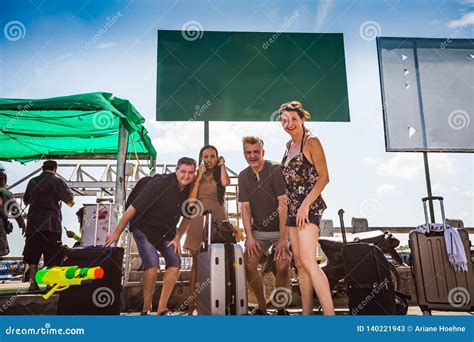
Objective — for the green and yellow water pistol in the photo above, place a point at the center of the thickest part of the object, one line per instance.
(63, 277)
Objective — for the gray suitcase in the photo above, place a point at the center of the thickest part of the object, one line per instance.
(438, 286)
(221, 287)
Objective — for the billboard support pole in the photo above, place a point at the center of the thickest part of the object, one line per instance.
(422, 114)
(206, 133)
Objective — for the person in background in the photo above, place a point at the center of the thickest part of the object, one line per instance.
(44, 195)
(8, 208)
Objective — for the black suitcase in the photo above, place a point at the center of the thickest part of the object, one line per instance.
(101, 296)
(368, 278)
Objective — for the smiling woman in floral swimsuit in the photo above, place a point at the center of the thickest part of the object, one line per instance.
(305, 170)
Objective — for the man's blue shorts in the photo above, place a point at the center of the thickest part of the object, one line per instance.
(149, 255)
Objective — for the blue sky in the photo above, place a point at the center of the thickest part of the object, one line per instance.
(56, 57)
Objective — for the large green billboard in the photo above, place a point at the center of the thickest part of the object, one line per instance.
(245, 76)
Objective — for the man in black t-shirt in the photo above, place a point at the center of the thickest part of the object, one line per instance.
(264, 210)
(154, 210)
(44, 195)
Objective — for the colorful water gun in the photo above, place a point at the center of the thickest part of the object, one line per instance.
(63, 277)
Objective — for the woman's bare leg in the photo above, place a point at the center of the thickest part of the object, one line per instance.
(308, 240)
(304, 280)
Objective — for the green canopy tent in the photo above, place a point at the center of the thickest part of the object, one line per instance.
(82, 126)
(85, 126)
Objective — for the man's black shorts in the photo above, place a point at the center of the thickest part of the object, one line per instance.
(44, 243)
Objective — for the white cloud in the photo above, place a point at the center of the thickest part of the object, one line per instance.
(442, 163)
(386, 189)
(410, 165)
(466, 20)
(402, 166)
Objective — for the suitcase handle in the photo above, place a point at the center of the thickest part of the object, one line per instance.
(441, 204)
(343, 229)
(207, 214)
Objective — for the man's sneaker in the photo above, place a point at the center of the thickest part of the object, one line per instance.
(145, 313)
(258, 312)
(283, 312)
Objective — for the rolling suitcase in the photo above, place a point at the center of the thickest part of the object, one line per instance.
(221, 287)
(438, 286)
(368, 277)
(100, 296)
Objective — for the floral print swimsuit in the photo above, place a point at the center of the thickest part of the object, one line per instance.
(300, 177)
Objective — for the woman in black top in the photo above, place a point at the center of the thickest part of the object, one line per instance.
(305, 171)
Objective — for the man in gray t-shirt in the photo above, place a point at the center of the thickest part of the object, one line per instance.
(264, 210)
